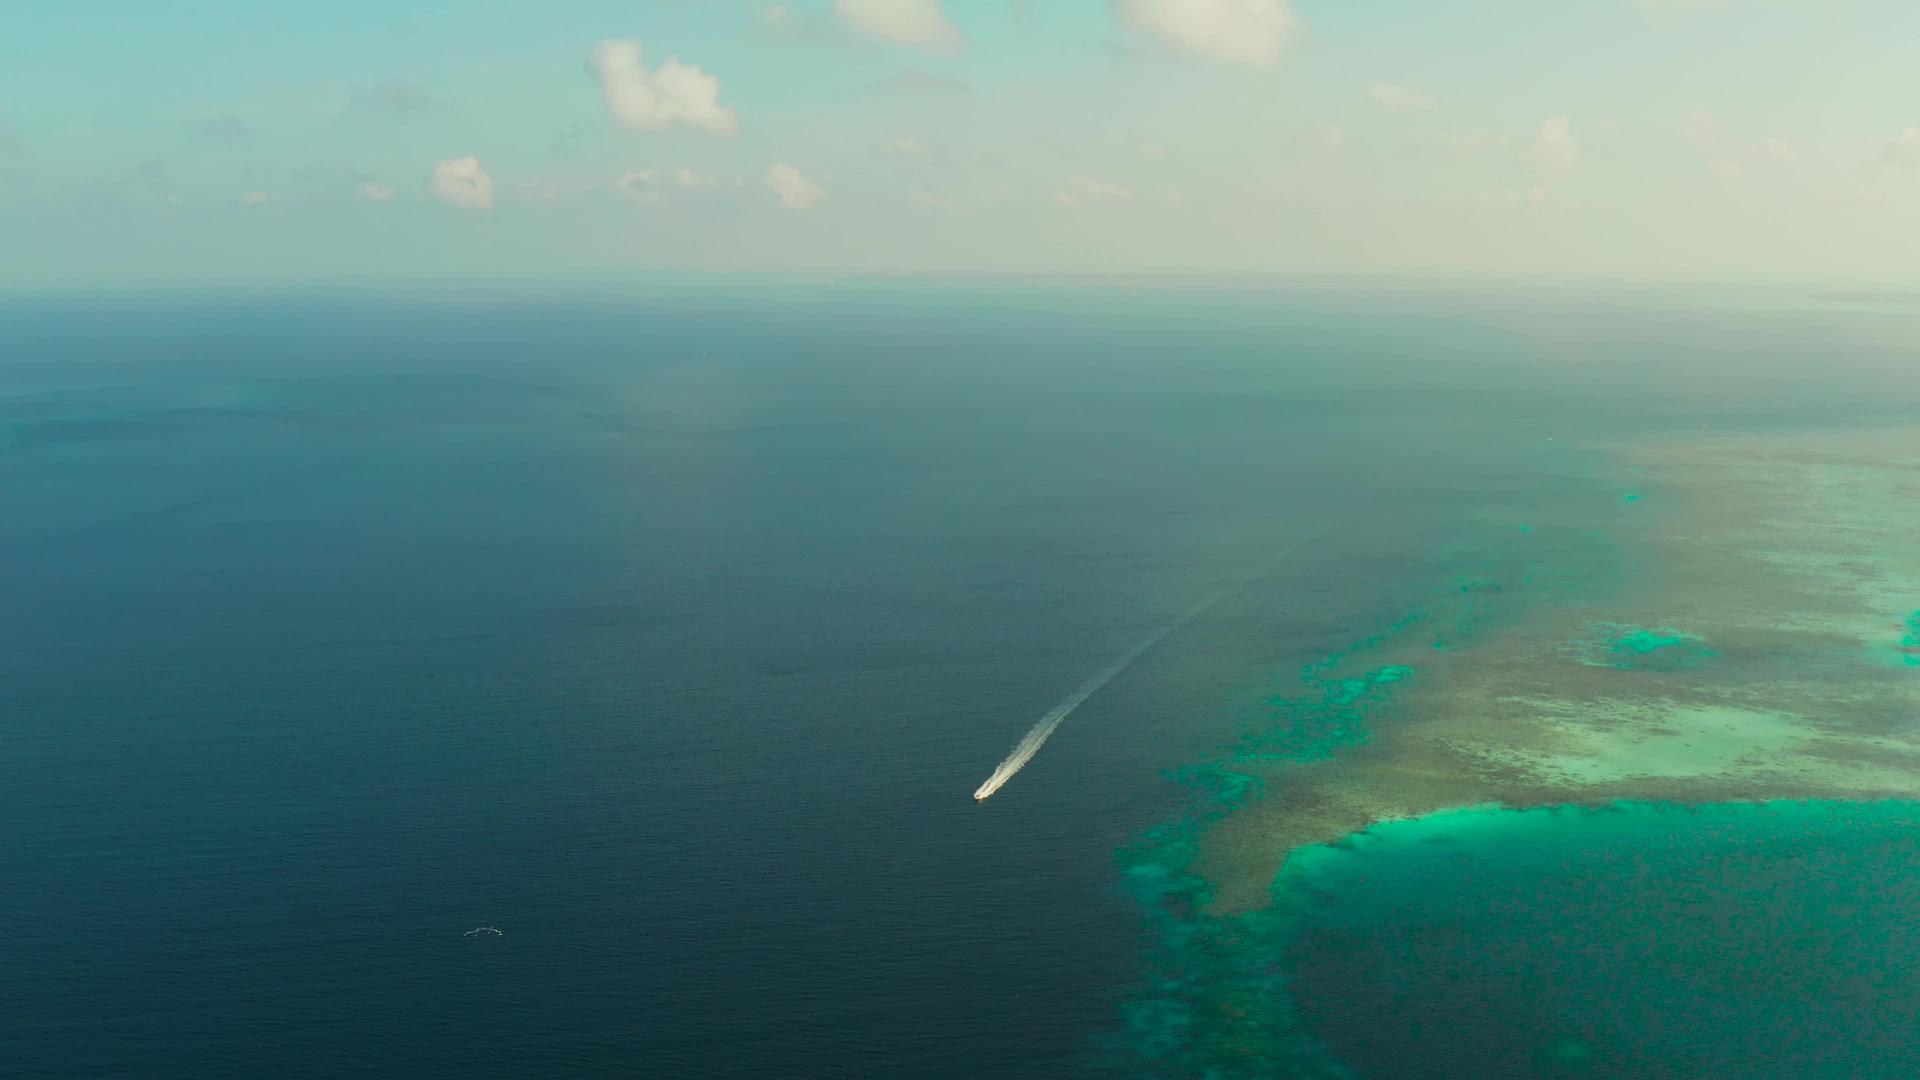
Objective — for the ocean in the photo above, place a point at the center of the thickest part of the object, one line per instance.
(667, 630)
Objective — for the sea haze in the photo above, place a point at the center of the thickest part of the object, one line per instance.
(670, 635)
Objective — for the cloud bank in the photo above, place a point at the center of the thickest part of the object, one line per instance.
(463, 183)
(917, 23)
(650, 100)
(1252, 32)
(792, 188)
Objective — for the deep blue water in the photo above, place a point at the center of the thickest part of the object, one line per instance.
(669, 635)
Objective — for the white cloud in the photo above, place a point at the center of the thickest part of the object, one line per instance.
(374, 191)
(1904, 150)
(1230, 31)
(919, 23)
(1555, 147)
(792, 188)
(688, 180)
(1400, 99)
(463, 183)
(1779, 150)
(675, 93)
(1728, 170)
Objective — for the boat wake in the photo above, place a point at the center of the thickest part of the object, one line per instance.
(1031, 743)
(1033, 740)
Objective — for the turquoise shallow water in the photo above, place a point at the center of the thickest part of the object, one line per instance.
(1615, 938)
(1218, 997)
(1631, 940)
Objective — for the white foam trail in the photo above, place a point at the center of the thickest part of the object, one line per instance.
(1033, 740)
(1031, 743)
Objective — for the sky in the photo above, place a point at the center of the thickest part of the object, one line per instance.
(227, 141)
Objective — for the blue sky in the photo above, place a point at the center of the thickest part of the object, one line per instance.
(212, 140)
